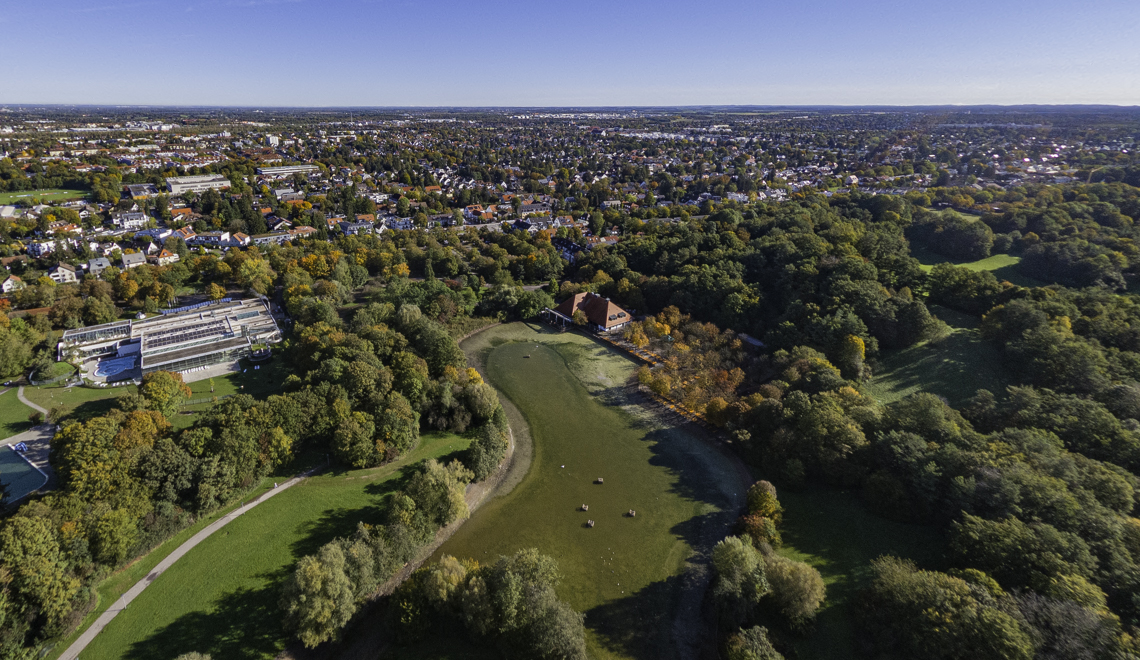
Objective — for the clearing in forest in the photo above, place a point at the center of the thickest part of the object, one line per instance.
(954, 367)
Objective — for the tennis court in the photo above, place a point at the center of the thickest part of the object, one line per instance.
(15, 473)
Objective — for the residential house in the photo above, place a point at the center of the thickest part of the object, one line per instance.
(41, 248)
(303, 231)
(166, 257)
(98, 265)
(355, 228)
(273, 237)
(129, 219)
(158, 234)
(239, 240)
(12, 283)
(133, 260)
(210, 239)
(63, 274)
(186, 233)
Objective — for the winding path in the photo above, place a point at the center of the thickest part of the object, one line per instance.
(72, 653)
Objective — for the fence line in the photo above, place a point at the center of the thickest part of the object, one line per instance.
(37, 383)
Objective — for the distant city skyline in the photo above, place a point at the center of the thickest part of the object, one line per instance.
(289, 53)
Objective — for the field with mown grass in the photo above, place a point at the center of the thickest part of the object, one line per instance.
(46, 195)
(221, 598)
(625, 573)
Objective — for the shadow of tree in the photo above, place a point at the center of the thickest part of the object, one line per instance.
(641, 625)
(238, 627)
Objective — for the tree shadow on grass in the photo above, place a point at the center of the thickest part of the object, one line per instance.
(954, 368)
(641, 625)
(242, 625)
(331, 524)
(90, 409)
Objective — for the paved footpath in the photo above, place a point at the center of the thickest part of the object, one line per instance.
(20, 394)
(106, 617)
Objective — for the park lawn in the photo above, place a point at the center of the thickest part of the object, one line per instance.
(625, 573)
(955, 367)
(46, 195)
(222, 597)
(834, 532)
(110, 589)
(81, 402)
(13, 414)
(260, 382)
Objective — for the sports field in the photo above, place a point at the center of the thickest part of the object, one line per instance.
(15, 473)
(625, 573)
(221, 598)
(47, 195)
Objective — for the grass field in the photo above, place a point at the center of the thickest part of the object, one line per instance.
(13, 414)
(832, 531)
(47, 195)
(625, 573)
(81, 402)
(221, 598)
(954, 368)
(1003, 266)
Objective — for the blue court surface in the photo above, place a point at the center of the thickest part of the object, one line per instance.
(15, 473)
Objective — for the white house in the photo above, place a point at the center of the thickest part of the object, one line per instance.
(63, 274)
(11, 284)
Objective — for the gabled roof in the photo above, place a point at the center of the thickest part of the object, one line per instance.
(598, 310)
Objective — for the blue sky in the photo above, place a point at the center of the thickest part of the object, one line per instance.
(573, 52)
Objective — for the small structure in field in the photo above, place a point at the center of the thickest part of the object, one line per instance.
(632, 513)
(589, 523)
(600, 481)
(585, 507)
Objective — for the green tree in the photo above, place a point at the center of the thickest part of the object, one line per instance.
(751, 644)
(439, 490)
(114, 536)
(30, 552)
(797, 588)
(740, 580)
(318, 599)
(256, 275)
(164, 391)
(353, 441)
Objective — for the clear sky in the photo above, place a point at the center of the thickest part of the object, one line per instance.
(568, 52)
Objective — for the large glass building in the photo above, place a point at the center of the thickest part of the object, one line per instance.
(181, 340)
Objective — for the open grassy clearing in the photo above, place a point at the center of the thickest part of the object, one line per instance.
(833, 531)
(1003, 266)
(625, 573)
(955, 367)
(13, 414)
(46, 195)
(221, 598)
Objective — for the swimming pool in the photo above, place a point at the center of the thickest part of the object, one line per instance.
(115, 366)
